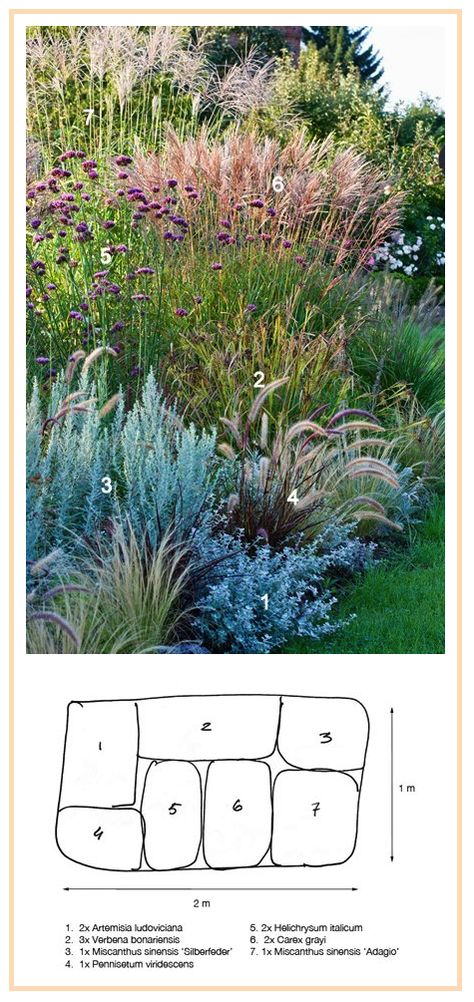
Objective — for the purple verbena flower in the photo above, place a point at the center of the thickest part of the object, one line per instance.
(35, 224)
(251, 308)
(122, 160)
(180, 312)
(75, 315)
(38, 266)
(216, 266)
(42, 360)
(172, 182)
(257, 203)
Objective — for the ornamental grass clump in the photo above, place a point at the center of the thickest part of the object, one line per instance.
(127, 598)
(292, 480)
(110, 85)
(163, 259)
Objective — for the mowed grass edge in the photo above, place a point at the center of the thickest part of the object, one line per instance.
(398, 603)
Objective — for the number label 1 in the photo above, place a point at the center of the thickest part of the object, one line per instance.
(264, 599)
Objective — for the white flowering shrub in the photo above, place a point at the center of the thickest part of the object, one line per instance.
(413, 255)
(398, 254)
(256, 598)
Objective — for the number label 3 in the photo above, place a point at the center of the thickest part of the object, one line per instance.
(107, 485)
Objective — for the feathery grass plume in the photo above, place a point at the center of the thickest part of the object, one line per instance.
(96, 353)
(74, 359)
(133, 79)
(337, 195)
(109, 405)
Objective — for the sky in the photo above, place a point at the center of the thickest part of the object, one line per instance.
(414, 60)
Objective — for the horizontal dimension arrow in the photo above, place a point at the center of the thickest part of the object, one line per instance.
(210, 889)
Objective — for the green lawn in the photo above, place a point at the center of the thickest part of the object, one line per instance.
(399, 603)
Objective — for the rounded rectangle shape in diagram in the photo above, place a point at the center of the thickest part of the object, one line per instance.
(102, 837)
(314, 818)
(100, 756)
(237, 814)
(318, 732)
(204, 728)
(171, 809)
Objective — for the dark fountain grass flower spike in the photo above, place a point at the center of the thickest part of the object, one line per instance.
(38, 597)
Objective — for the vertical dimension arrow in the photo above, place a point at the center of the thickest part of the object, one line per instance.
(391, 784)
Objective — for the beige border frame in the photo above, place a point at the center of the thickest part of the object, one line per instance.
(457, 13)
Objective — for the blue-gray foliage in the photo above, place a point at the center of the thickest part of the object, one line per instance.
(233, 614)
(161, 472)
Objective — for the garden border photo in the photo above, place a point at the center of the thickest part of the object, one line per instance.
(17, 481)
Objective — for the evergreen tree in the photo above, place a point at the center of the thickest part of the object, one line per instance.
(342, 47)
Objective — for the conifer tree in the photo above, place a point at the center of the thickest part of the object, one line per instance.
(342, 47)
